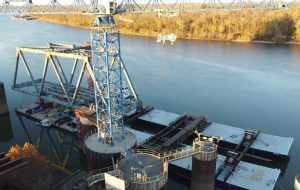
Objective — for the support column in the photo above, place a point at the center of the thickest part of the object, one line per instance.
(3, 101)
(204, 166)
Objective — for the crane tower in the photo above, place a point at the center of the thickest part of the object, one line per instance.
(110, 141)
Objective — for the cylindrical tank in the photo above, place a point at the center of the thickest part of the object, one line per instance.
(144, 171)
(102, 155)
(3, 101)
(204, 165)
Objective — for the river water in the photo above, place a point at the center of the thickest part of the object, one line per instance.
(248, 85)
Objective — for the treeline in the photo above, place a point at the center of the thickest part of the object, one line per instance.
(261, 25)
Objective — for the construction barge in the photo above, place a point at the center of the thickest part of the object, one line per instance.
(71, 107)
(245, 176)
(174, 129)
(266, 146)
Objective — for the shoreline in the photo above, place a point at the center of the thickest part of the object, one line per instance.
(187, 38)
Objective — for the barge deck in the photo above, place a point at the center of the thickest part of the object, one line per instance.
(266, 146)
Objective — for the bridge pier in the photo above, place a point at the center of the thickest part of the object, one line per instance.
(204, 166)
(3, 101)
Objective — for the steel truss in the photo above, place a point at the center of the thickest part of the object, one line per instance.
(55, 6)
(241, 5)
(152, 6)
(110, 104)
(79, 5)
(129, 6)
(155, 5)
(212, 5)
(182, 5)
(269, 4)
(293, 3)
(29, 6)
(67, 90)
(7, 7)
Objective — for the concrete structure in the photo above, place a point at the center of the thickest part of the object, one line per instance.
(101, 154)
(204, 166)
(297, 182)
(144, 171)
(3, 101)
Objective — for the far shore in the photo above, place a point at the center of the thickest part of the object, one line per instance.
(145, 27)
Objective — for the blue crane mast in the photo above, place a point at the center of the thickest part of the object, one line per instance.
(106, 56)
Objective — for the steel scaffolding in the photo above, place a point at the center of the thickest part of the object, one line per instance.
(107, 69)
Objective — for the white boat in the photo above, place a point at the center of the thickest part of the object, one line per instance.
(163, 38)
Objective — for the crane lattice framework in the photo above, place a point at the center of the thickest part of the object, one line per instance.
(107, 60)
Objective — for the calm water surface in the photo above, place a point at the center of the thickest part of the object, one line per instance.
(247, 85)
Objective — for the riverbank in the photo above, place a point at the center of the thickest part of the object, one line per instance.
(277, 26)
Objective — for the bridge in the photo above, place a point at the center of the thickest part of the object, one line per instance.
(148, 6)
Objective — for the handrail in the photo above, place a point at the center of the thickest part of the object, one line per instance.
(147, 151)
(207, 149)
(145, 179)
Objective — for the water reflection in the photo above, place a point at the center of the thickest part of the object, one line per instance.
(60, 146)
(6, 131)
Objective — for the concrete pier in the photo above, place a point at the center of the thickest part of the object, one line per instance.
(204, 166)
(3, 101)
(102, 155)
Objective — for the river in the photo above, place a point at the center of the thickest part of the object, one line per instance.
(247, 85)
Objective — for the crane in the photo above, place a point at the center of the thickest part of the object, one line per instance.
(106, 55)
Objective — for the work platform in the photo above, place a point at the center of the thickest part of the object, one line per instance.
(264, 144)
(35, 112)
(267, 146)
(245, 175)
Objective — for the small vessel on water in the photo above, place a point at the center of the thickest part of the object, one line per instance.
(23, 17)
(163, 38)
